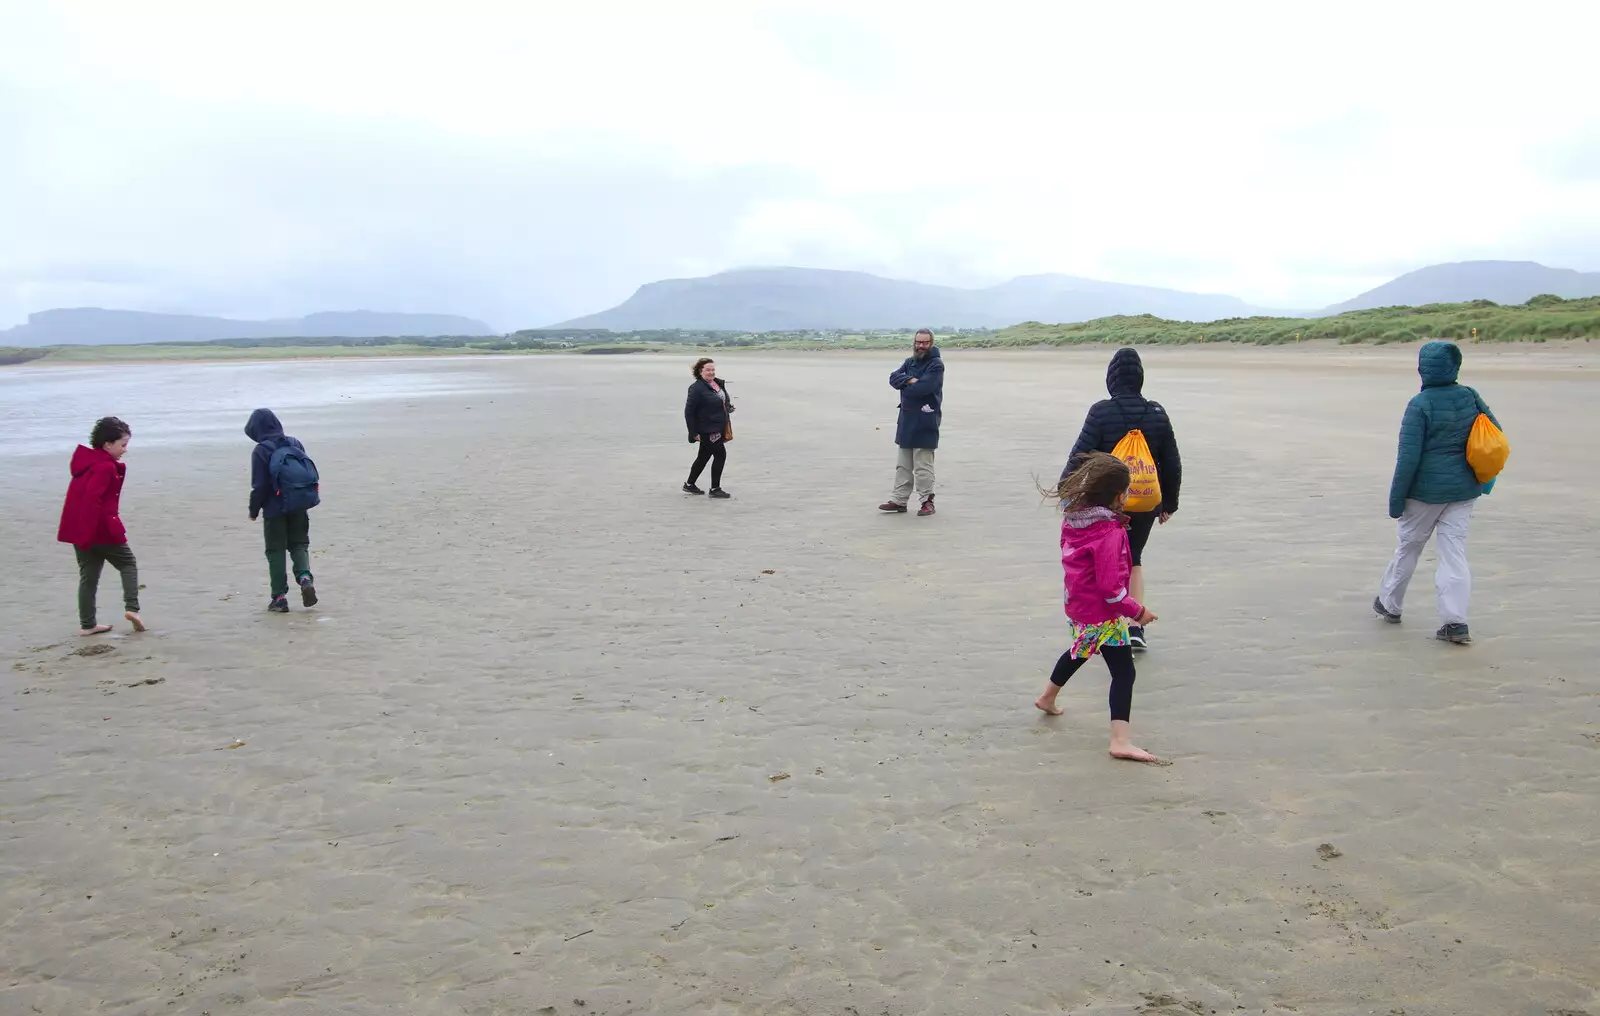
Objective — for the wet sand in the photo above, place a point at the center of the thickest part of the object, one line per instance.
(558, 732)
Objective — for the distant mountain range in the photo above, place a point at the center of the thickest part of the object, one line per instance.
(787, 299)
(1504, 282)
(796, 299)
(93, 326)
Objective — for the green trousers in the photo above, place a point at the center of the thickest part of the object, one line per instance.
(90, 563)
(289, 532)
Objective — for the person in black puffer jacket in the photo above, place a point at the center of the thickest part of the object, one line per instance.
(1109, 422)
(706, 413)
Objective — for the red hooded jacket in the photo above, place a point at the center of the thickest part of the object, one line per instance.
(94, 498)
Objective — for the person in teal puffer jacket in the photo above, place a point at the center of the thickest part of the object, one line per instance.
(1434, 490)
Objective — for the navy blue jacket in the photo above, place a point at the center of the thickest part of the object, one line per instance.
(265, 430)
(1109, 421)
(1431, 465)
(921, 404)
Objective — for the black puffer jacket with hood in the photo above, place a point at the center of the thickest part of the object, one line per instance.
(1110, 420)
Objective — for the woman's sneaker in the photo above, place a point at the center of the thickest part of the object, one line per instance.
(720, 494)
(1454, 633)
(279, 605)
(1384, 612)
(690, 488)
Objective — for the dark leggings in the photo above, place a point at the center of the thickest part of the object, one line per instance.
(713, 452)
(1120, 661)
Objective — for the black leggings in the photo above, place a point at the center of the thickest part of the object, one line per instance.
(713, 452)
(1120, 661)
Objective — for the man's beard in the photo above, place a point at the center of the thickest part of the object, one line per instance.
(920, 354)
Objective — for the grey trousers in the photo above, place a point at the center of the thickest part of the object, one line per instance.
(913, 468)
(1454, 578)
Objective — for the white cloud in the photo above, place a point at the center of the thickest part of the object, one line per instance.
(524, 161)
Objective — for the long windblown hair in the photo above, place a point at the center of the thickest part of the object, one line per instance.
(1096, 481)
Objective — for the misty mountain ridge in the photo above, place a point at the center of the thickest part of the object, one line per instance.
(759, 299)
(1503, 282)
(795, 299)
(779, 298)
(96, 326)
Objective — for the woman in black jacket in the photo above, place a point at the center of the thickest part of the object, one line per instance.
(706, 413)
(1109, 422)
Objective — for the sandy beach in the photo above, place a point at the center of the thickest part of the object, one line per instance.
(562, 740)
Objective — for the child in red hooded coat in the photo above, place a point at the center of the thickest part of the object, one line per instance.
(91, 522)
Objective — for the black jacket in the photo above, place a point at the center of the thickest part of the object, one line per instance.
(704, 411)
(1109, 421)
(264, 429)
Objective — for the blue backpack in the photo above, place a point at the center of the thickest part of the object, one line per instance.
(294, 477)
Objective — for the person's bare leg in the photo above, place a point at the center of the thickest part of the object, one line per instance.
(1122, 745)
(134, 619)
(1136, 583)
(1047, 701)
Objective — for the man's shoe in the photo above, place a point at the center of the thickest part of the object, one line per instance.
(927, 506)
(1383, 612)
(308, 592)
(690, 488)
(892, 506)
(1456, 634)
(279, 605)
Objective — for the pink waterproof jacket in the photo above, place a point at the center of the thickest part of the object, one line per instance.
(1096, 563)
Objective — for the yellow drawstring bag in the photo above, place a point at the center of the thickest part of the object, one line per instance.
(1487, 449)
(1144, 494)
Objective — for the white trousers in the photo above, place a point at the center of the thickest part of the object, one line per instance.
(1453, 579)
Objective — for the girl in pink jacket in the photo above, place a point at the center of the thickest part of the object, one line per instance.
(1097, 562)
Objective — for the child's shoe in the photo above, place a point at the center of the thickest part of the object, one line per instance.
(279, 605)
(308, 592)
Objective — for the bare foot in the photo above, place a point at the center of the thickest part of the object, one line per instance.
(1133, 753)
(1048, 706)
(99, 629)
(136, 621)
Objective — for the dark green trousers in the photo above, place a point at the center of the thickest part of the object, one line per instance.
(90, 563)
(289, 532)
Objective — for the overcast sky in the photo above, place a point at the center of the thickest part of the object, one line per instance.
(527, 161)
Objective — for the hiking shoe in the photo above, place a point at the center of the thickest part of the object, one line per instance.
(308, 592)
(1456, 634)
(279, 605)
(927, 506)
(690, 488)
(720, 494)
(892, 506)
(1383, 612)
(1136, 638)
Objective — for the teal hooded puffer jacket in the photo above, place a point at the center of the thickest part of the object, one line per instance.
(1432, 464)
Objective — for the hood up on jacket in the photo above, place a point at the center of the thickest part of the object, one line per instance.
(263, 426)
(1125, 374)
(1439, 363)
(84, 458)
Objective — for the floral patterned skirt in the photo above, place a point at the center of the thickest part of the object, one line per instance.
(1087, 639)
